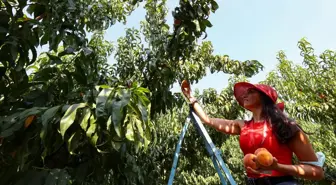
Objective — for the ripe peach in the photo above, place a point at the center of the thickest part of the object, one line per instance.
(259, 149)
(185, 87)
(185, 84)
(29, 120)
(265, 158)
(322, 96)
(177, 22)
(249, 161)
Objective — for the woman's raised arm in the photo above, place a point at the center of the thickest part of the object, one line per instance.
(232, 127)
(226, 126)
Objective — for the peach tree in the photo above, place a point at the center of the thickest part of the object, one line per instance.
(70, 117)
(309, 92)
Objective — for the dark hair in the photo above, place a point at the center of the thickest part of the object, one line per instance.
(284, 128)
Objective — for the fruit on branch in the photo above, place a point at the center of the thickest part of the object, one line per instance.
(177, 22)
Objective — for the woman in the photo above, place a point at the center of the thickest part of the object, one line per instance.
(269, 128)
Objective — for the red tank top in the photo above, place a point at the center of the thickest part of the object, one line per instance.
(257, 135)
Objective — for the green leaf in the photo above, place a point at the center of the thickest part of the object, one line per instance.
(143, 111)
(32, 111)
(214, 6)
(47, 116)
(73, 142)
(92, 127)
(207, 23)
(54, 59)
(147, 138)
(197, 25)
(33, 67)
(34, 54)
(15, 121)
(139, 127)
(101, 102)
(87, 51)
(85, 119)
(9, 121)
(144, 90)
(91, 132)
(116, 145)
(45, 74)
(142, 97)
(94, 139)
(67, 51)
(71, 5)
(102, 86)
(109, 123)
(10, 131)
(79, 73)
(45, 39)
(129, 131)
(69, 80)
(69, 117)
(58, 177)
(117, 109)
(14, 54)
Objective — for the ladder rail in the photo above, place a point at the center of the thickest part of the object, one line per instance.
(177, 151)
(211, 148)
(221, 176)
(214, 153)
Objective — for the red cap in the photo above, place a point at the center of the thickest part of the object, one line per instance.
(240, 89)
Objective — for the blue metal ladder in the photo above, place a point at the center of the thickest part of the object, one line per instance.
(211, 148)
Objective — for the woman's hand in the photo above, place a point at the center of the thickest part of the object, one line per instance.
(223, 125)
(262, 169)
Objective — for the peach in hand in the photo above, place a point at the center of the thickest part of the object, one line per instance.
(259, 149)
(264, 157)
(249, 161)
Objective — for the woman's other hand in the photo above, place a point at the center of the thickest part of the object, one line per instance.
(264, 169)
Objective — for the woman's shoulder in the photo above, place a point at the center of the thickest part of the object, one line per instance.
(243, 123)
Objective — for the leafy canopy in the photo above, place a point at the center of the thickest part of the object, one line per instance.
(69, 116)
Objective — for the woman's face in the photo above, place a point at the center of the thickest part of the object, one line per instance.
(252, 98)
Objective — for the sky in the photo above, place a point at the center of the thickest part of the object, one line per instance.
(258, 29)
